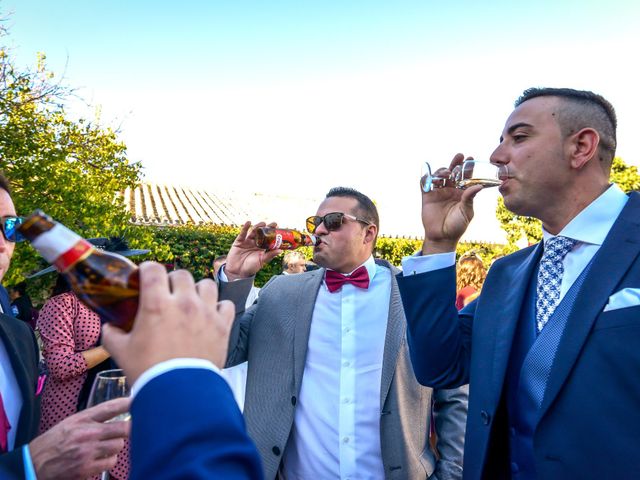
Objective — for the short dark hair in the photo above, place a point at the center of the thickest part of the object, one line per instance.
(220, 258)
(366, 209)
(61, 286)
(581, 109)
(21, 287)
(4, 184)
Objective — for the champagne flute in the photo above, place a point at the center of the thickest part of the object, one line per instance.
(470, 173)
(109, 384)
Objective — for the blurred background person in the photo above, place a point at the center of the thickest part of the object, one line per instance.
(21, 305)
(293, 261)
(471, 273)
(70, 334)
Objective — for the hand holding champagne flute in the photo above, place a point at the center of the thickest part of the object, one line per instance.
(108, 385)
(447, 201)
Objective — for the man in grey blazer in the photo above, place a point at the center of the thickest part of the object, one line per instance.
(331, 392)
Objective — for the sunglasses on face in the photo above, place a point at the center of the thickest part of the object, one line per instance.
(10, 226)
(332, 221)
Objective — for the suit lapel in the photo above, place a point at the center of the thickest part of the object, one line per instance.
(5, 301)
(23, 376)
(502, 314)
(396, 328)
(304, 305)
(618, 252)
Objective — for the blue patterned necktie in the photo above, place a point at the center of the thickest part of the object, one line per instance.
(550, 278)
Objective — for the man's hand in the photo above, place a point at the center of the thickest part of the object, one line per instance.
(81, 445)
(245, 259)
(176, 319)
(446, 214)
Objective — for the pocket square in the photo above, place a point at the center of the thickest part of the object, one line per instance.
(628, 297)
(40, 386)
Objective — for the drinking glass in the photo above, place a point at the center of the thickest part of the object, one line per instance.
(471, 172)
(109, 384)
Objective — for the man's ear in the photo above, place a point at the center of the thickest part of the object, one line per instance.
(371, 233)
(583, 147)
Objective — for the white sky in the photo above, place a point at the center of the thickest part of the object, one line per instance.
(312, 100)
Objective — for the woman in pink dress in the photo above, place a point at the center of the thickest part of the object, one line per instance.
(70, 333)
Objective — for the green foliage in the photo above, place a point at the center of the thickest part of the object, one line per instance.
(625, 176)
(73, 170)
(393, 249)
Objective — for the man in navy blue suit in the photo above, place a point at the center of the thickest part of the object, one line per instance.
(185, 421)
(550, 347)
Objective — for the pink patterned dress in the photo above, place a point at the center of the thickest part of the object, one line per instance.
(68, 328)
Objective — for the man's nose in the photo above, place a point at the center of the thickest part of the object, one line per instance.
(498, 156)
(321, 229)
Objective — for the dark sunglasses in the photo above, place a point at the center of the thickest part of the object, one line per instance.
(332, 221)
(10, 226)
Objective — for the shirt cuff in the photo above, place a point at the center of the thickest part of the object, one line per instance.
(221, 275)
(29, 471)
(418, 263)
(164, 367)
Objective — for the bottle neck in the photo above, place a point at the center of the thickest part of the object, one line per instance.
(62, 247)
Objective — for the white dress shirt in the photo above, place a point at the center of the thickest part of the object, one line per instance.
(336, 430)
(11, 396)
(590, 227)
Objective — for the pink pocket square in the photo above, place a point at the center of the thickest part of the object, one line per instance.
(40, 386)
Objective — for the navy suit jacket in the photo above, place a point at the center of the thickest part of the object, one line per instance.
(590, 414)
(186, 424)
(22, 349)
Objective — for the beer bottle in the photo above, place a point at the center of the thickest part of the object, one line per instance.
(271, 238)
(106, 282)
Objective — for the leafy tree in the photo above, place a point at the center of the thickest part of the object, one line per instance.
(516, 226)
(71, 169)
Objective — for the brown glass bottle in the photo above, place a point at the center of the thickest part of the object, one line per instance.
(271, 238)
(106, 282)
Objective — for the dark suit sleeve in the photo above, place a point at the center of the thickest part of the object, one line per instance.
(12, 465)
(186, 424)
(439, 339)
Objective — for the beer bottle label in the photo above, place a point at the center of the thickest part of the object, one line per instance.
(283, 239)
(61, 247)
(277, 242)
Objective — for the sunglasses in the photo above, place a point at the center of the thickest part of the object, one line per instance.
(10, 226)
(332, 221)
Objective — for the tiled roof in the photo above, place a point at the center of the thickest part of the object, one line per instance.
(153, 204)
(163, 205)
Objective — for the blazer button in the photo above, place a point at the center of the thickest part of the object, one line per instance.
(293, 401)
(486, 418)
(276, 451)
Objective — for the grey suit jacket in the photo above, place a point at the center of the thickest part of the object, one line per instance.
(273, 335)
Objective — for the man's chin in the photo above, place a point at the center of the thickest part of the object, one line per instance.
(318, 259)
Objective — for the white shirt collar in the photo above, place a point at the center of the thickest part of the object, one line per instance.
(592, 224)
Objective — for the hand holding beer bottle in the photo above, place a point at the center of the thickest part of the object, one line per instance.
(245, 258)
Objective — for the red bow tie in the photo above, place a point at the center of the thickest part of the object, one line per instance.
(335, 280)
